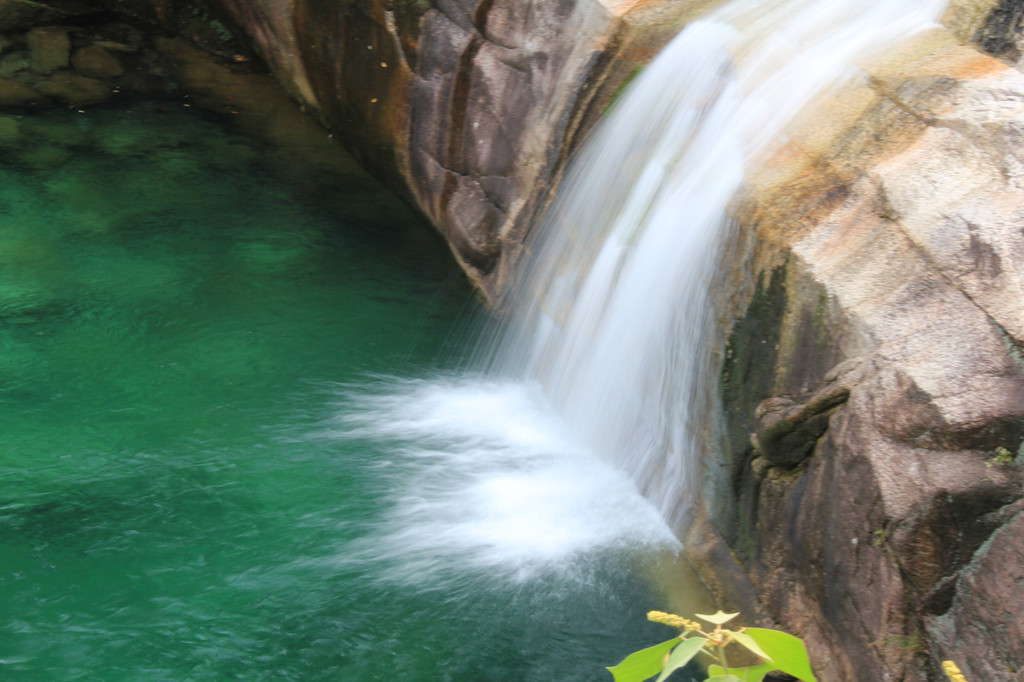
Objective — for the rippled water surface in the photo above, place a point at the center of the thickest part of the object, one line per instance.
(235, 441)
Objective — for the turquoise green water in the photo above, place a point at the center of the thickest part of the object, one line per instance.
(207, 471)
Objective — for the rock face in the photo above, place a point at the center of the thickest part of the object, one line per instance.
(467, 106)
(877, 507)
(76, 65)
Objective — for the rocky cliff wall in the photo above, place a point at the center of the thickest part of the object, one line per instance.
(467, 107)
(873, 388)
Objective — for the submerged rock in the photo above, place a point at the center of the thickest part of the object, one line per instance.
(73, 89)
(17, 94)
(44, 157)
(96, 61)
(18, 14)
(49, 48)
(14, 62)
(10, 130)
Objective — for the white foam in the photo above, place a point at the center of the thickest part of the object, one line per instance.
(485, 476)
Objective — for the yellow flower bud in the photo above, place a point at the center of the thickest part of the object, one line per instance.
(667, 619)
(953, 672)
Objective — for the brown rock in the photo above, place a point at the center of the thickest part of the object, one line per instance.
(788, 430)
(16, 94)
(49, 47)
(72, 89)
(93, 61)
(980, 626)
(17, 14)
(904, 212)
(254, 101)
(13, 63)
(44, 156)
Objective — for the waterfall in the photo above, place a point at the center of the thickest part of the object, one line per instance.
(583, 436)
(611, 310)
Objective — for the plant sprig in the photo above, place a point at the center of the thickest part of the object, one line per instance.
(778, 650)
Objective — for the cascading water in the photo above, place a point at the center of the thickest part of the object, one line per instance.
(611, 313)
(582, 435)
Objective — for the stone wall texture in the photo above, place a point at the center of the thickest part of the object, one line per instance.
(873, 386)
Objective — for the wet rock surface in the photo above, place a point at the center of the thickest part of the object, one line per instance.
(974, 612)
(878, 516)
(76, 65)
(20, 14)
(468, 107)
(96, 61)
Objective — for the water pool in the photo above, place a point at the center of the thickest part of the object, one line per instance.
(238, 439)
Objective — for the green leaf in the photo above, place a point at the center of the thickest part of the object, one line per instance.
(719, 618)
(786, 652)
(682, 655)
(754, 673)
(643, 664)
(724, 678)
(751, 644)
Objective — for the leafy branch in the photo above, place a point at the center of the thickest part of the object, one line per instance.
(778, 650)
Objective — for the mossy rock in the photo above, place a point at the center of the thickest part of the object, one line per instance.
(74, 89)
(17, 94)
(19, 14)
